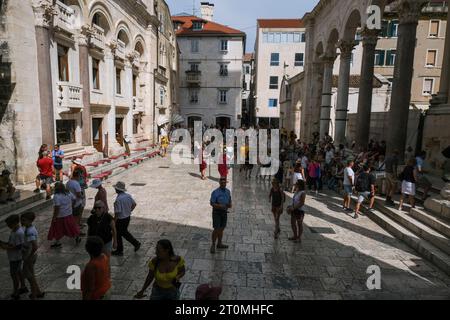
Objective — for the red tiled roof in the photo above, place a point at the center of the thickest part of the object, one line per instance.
(281, 23)
(209, 27)
(248, 57)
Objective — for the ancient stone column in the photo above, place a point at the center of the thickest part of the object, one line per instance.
(316, 98)
(369, 38)
(325, 109)
(83, 47)
(403, 72)
(346, 48)
(43, 11)
(128, 81)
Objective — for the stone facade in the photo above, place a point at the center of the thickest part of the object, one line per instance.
(86, 78)
(291, 103)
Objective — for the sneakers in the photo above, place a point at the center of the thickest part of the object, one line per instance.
(138, 246)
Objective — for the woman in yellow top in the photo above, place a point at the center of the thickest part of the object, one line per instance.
(164, 145)
(166, 269)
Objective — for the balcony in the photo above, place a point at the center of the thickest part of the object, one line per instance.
(70, 96)
(64, 18)
(193, 78)
(161, 75)
(138, 105)
(98, 37)
(120, 50)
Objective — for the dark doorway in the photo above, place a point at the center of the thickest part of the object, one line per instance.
(119, 131)
(223, 122)
(97, 134)
(191, 121)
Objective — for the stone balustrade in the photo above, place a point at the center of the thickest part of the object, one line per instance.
(69, 96)
(65, 17)
(138, 104)
(120, 50)
(98, 37)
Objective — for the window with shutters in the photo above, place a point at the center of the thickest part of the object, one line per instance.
(434, 28)
(193, 96)
(223, 45)
(390, 57)
(379, 57)
(223, 70)
(428, 84)
(431, 58)
(223, 96)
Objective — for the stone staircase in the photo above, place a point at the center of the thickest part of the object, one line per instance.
(427, 231)
(98, 168)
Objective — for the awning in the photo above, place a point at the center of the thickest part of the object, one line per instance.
(162, 120)
(176, 119)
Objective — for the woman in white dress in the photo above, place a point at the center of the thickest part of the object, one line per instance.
(408, 178)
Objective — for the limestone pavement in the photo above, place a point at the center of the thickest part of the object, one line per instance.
(173, 203)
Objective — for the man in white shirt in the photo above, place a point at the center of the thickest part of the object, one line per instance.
(123, 207)
(349, 181)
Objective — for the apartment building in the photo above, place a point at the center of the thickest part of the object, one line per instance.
(279, 53)
(211, 62)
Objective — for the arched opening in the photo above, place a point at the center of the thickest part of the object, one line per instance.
(331, 43)
(139, 48)
(123, 39)
(352, 25)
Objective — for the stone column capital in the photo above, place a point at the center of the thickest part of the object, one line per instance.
(370, 37)
(346, 47)
(43, 13)
(84, 37)
(409, 11)
(328, 60)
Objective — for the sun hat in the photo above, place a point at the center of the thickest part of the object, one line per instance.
(120, 186)
(207, 292)
(96, 183)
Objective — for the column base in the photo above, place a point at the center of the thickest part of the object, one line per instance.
(439, 109)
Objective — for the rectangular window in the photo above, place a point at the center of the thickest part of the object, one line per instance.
(384, 28)
(379, 57)
(194, 67)
(118, 81)
(271, 37)
(299, 60)
(223, 45)
(197, 25)
(428, 84)
(95, 74)
(265, 37)
(273, 103)
(135, 124)
(431, 58)
(273, 83)
(434, 28)
(390, 57)
(247, 70)
(303, 38)
(297, 37)
(194, 45)
(65, 131)
(193, 96)
(277, 37)
(223, 70)
(63, 63)
(275, 59)
(162, 96)
(223, 96)
(393, 29)
(134, 85)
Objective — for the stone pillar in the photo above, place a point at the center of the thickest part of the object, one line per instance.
(403, 72)
(129, 96)
(113, 145)
(43, 20)
(316, 99)
(83, 46)
(326, 95)
(369, 38)
(346, 48)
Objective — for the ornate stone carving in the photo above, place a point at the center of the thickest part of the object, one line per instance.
(370, 37)
(112, 45)
(346, 47)
(84, 37)
(409, 10)
(44, 12)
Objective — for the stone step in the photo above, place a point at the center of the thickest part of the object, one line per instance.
(439, 207)
(420, 229)
(424, 248)
(24, 199)
(34, 206)
(430, 220)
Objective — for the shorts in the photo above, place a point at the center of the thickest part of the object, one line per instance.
(28, 267)
(219, 220)
(365, 195)
(390, 178)
(348, 189)
(77, 211)
(164, 294)
(15, 267)
(45, 179)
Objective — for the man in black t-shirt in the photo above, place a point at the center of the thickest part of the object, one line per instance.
(365, 185)
(101, 224)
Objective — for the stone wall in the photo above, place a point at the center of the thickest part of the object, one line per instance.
(20, 129)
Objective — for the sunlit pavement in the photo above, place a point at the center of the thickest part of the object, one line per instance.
(173, 203)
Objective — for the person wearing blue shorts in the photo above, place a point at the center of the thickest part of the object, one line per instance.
(220, 202)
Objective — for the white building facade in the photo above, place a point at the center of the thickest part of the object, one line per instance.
(211, 65)
(279, 52)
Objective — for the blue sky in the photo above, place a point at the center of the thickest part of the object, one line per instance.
(242, 14)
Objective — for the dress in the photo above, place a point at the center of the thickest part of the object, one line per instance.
(64, 224)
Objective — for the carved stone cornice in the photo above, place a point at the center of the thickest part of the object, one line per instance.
(84, 37)
(44, 12)
(346, 47)
(112, 45)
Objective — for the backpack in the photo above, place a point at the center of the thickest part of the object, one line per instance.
(361, 182)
